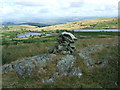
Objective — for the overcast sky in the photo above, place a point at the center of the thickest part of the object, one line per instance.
(24, 9)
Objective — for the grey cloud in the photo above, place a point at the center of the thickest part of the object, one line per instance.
(98, 9)
(29, 4)
(44, 10)
(65, 8)
(107, 8)
(77, 4)
(74, 5)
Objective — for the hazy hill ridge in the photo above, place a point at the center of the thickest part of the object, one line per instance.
(100, 23)
(111, 23)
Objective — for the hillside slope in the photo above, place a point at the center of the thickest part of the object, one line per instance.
(93, 23)
(101, 23)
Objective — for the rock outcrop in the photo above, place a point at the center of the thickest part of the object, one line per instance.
(66, 62)
(84, 53)
(26, 66)
(66, 65)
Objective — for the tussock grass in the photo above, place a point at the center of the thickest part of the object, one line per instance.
(82, 43)
(14, 52)
(105, 54)
(99, 77)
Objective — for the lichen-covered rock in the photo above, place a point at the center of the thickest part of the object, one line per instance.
(84, 53)
(63, 65)
(26, 66)
(6, 68)
(88, 60)
(50, 80)
(66, 62)
(42, 59)
(102, 63)
(76, 72)
(23, 67)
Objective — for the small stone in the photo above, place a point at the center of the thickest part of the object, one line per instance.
(50, 80)
(76, 72)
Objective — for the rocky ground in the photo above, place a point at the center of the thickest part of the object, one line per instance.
(84, 53)
(25, 67)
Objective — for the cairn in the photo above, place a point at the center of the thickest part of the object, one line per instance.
(65, 44)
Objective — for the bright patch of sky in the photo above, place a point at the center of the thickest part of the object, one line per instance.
(24, 9)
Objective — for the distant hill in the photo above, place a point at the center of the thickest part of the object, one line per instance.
(100, 23)
(27, 23)
(7, 24)
(35, 24)
(46, 21)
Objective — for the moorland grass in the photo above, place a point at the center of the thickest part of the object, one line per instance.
(98, 77)
(14, 52)
(17, 49)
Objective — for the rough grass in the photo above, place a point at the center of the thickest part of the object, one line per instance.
(105, 54)
(98, 77)
(82, 43)
(109, 76)
(36, 46)
(14, 52)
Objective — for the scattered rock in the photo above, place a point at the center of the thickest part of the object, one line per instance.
(84, 53)
(42, 59)
(6, 68)
(66, 62)
(64, 73)
(102, 63)
(50, 80)
(76, 72)
(23, 67)
(26, 66)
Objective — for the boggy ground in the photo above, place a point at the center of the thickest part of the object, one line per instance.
(75, 73)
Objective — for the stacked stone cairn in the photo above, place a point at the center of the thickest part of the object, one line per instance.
(65, 44)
